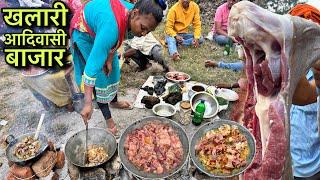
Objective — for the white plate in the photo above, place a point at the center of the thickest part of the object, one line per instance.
(227, 94)
(35, 73)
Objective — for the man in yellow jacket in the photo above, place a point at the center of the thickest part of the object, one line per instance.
(181, 15)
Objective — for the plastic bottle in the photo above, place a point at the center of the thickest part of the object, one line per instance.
(230, 42)
(228, 47)
(226, 50)
(198, 114)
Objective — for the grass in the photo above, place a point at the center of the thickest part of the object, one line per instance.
(192, 62)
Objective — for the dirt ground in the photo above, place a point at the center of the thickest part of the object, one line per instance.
(22, 111)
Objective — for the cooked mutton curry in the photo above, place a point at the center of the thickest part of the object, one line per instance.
(27, 148)
(96, 155)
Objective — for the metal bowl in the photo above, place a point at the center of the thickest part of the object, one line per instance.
(212, 105)
(140, 123)
(75, 146)
(180, 73)
(164, 110)
(214, 125)
(196, 88)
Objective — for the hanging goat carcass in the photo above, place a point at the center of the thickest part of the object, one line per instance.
(279, 49)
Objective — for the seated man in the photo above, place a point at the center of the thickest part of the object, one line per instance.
(220, 27)
(181, 15)
(142, 49)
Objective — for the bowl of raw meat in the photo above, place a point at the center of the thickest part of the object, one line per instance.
(222, 148)
(153, 148)
(177, 77)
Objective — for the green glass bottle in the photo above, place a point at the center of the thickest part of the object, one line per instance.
(226, 50)
(230, 45)
(198, 114)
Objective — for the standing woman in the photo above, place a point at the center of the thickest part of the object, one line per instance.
(97, 30)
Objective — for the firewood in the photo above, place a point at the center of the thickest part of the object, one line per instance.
(51, 146)
(10, 176)
(44, 165)
(60, 160)
(22, 172)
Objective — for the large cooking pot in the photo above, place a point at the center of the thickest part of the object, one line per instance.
(214, 125)
(14, 141)
(75, 146)
(138, 124)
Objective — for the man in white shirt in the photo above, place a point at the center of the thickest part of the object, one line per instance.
(142, 49)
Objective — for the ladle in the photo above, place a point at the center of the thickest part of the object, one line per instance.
(36, 135)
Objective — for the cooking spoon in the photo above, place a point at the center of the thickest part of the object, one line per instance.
(39, 127)
(86, 145)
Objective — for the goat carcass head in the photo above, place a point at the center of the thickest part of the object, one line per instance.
(279, 49)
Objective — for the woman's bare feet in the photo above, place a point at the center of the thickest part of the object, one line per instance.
(121, 105)
(111, 126)
(210, 63)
